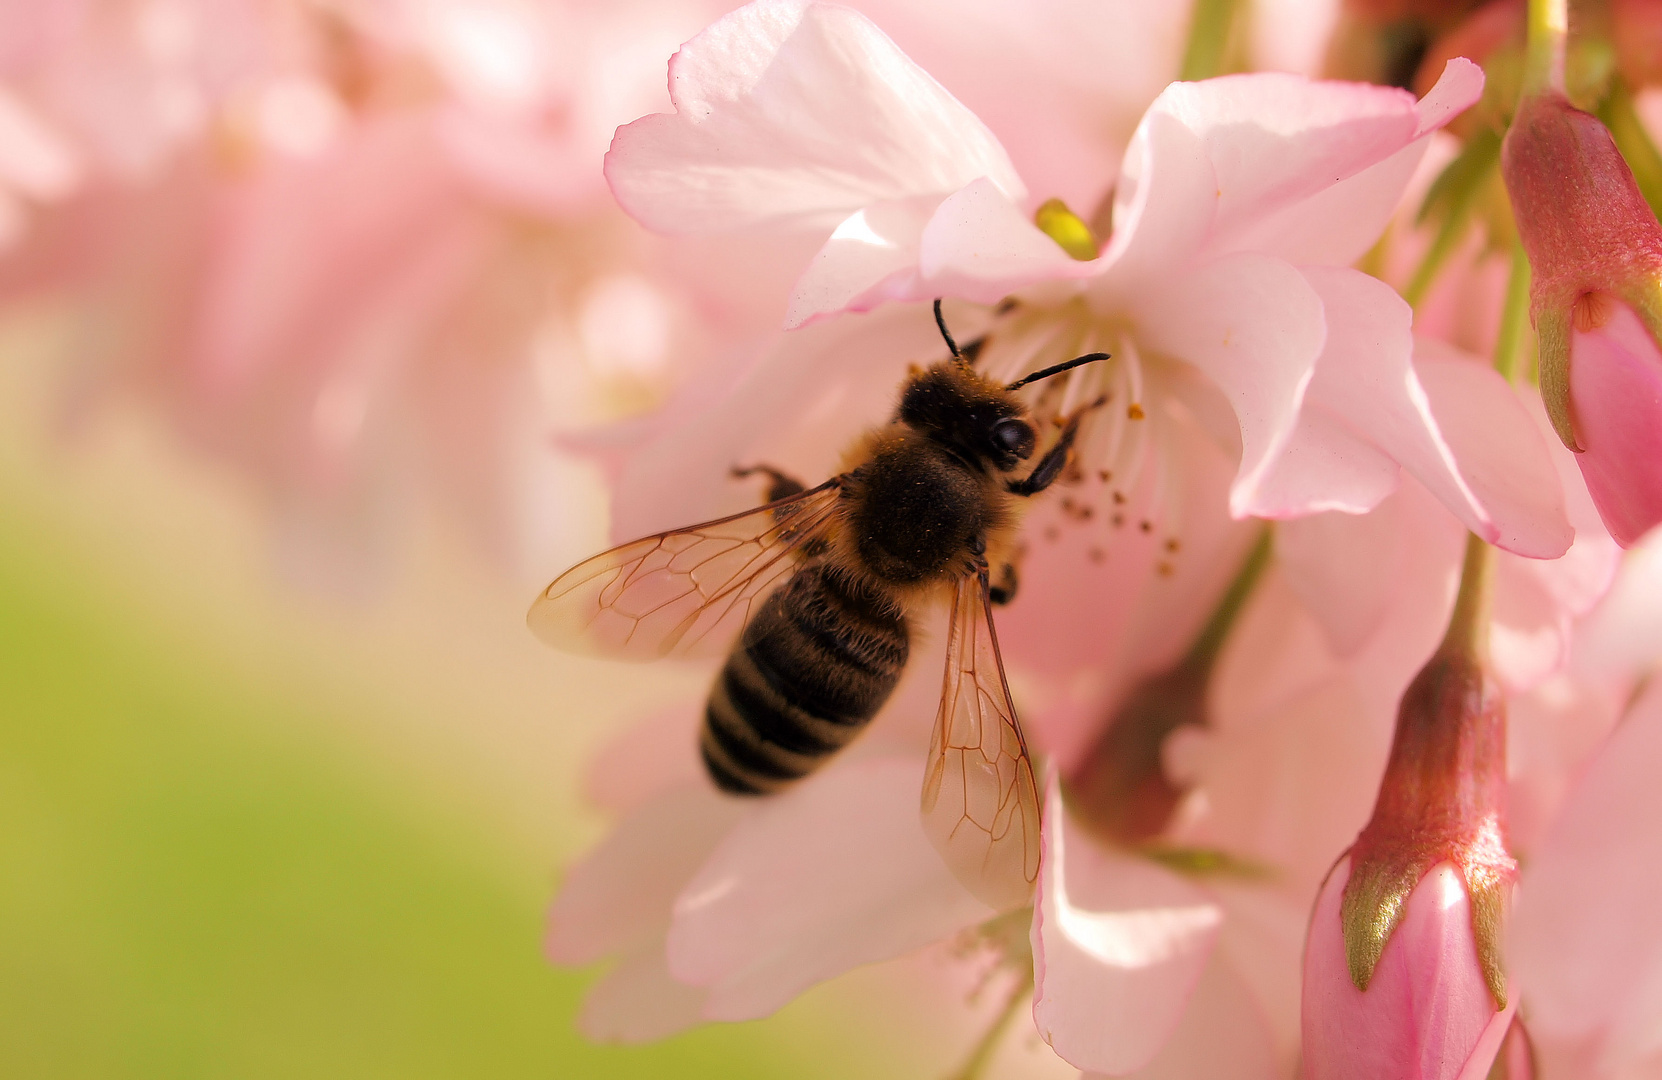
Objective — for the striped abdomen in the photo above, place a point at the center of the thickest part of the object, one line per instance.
(813, 667)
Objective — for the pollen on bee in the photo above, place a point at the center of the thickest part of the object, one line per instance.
(1135, 411)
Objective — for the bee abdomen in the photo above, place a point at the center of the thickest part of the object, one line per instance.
(814, 666)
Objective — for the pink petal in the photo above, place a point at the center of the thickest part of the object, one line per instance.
(1222, 1034)
(1164, 203)
(980, 246)
(639, 1001)
(1516, 500)
(1344, 569)
(1585, 940)
(1365, 405)
(1278, 140)
(1529, 632)
(1623, 634)
(796, 114)
(872, 256)
(1289, 784)
(1616, 397)
(619, 896)
(831, 875)
(1427, 1012)
(1255, 325)
(1457, 89)
(1119, 945)
(1359, 408)
(646, 759)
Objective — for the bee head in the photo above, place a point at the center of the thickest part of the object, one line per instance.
(976, 417)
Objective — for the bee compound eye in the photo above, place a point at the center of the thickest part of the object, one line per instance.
(1014, 437)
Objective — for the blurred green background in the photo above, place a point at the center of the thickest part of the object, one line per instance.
(248, 832)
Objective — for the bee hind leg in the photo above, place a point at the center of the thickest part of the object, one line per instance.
(781, 486)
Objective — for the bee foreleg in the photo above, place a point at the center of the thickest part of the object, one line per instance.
(783, 485)
(1055, 460)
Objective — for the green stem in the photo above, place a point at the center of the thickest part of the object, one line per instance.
(1206, 646)
(1544, 57)
(1514, 316)
(1442, 246)
(1635, 143)
(1209, 34)
(1468, 627)
(976, 1064)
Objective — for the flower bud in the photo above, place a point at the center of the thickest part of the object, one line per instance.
(1427, 1012)
(1595, 252)
(1416, 912)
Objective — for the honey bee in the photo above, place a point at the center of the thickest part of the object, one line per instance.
(821, 585)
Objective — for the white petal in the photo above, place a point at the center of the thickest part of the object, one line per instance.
(831, 875)
(796, 114)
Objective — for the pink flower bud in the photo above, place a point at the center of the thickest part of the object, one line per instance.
(1403, 974)
(1427, 1013)
(1595, 252)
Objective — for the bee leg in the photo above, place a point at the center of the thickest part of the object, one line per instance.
(783, 485)
(1055, 460)
(1005, 590)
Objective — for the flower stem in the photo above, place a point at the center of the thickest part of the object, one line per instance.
(1514, 318)
(1212, 635)
(1209, 37)
(976, 1063)
(1468, 626)
(1544, 58)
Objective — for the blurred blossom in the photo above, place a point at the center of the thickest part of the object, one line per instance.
(363, 251)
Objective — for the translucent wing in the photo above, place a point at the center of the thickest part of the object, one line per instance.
(685, 591)
(980, 805)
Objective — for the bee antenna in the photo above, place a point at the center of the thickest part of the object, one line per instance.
(1057, 369)
(940, 321)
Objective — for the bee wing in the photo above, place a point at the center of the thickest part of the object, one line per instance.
(686, 591)
(980, 805)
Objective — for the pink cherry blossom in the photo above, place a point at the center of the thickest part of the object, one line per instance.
(1206, 216)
